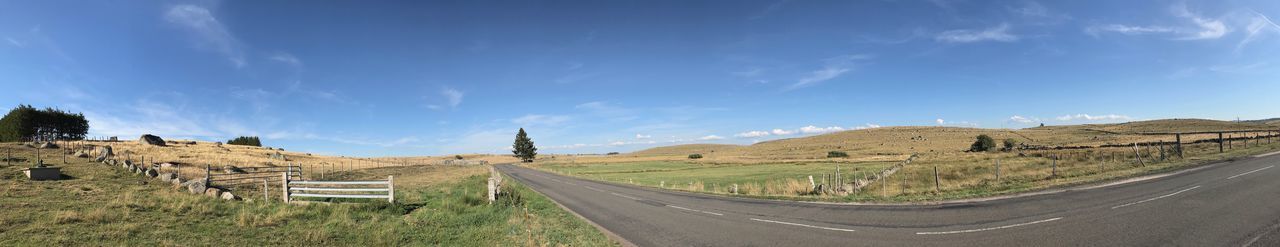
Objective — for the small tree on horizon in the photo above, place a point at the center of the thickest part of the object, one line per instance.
(523, 147)
(983, 144)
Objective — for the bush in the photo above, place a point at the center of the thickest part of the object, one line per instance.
(695, 156)
(612, 153)
(457, 156)
(983, 144)
(837, 154)
(1009, 144)
(246, 141)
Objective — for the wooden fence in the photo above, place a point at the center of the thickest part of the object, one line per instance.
(249, 175)
(331, 189)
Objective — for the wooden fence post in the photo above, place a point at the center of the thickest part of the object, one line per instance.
(1137, 155)
(391, 189)
(937, 185)
(266, 197)
(1054, 173)
(997, 170)
(206, 174)
(1220, 147)
(1179, 144)
(284, 186)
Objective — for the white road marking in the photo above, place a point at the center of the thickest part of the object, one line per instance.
(989, 228)
(809, 226)
(695, 210)
(1247, 173)
(1266, 154)
(557, 180)
(593, 188)
(625, 196)
(570, 183)
(1155, 198)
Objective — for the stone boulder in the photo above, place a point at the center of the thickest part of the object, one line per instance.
(100, 159)
(278, 156)
(176, 181)
(195, 186)
(226, 195)
(48, 145)
(164, 177)
(81, 154)
(103, 151)
(151, 140)
(151, 173)
(129, 163)
(213, 192)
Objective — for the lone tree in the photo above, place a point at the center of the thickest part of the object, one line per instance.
(1009, 144)
(28, 123)
(523, 148)
(983, 144)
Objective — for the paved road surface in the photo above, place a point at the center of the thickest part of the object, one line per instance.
(1225, 204)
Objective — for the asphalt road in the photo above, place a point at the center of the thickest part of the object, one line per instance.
(1233, 203)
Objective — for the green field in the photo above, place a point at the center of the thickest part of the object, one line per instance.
(752, 179)
(101, 205)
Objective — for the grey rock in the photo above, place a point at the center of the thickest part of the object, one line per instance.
(195, 186)
(81, 154)
(226, 195)
(151, 173)
(213, 192)
(151, 140)
(103, 151)
(48, 145)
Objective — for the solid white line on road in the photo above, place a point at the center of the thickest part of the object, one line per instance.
(1247, 173)
(1266, 154)
(593, 188)
(695, 210)
(1154, 198)
(625, 196)
(809, 226)
(989, 228)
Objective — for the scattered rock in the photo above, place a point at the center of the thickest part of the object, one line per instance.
(226, 195)
(48, 145)
(151, 173)
(128, 162)
(213, 192)
(176, 181)
(164, 177)
(81, 154)
(151, 140)
(219, 144)
(103, 152)
(101, 159)
(279, 156)
(195, 186)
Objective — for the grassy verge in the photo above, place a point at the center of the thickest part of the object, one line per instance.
(959, 175)
(101, 205)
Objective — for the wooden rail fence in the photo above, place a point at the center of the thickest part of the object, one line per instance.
(249, 175)
(373, 189)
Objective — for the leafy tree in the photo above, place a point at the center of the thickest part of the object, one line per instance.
(983, 144)
(523, 147)
(28, 123)
(1009, 144)
(695, 156)
(246, 141)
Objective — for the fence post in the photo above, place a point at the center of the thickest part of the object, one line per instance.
(997, 170)
(1137, 155)
(1054, 173)
(1162, 150)
(937, 186)
(206, 174)
(1220, 148)
(1179, 144)
(284, 186)
(391, 189)
(266, 197)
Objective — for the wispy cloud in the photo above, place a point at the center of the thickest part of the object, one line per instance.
(1202, 28)
(15, 42)
(781, 132)
(1259, 25)
(710, 138)
(1087, 117)
(998, 33)
(1209, 28)
(1127, 30)
(834, 67)
(453, 96)
(540, 120)
(818, 130)
(286, 58)
(642, 136)
(208, 32)
(752, 134)
(1021, 119)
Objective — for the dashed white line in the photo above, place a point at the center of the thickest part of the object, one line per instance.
(989, 228)
(1154, 198)
(593, 188)
(809, 226)
(625, 196)
(1247, 173)
(695, 210)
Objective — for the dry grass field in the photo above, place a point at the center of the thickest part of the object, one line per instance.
(768, 168)
(101, 205)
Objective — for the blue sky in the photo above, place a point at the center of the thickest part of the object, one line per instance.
(435, 77)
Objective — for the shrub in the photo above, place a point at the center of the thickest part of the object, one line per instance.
(695, 156)
(457, 156)
(1009, 144)
(837, 154)
(246, 141)
(612, 153)
(983, 144)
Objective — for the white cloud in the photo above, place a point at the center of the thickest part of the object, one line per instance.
(816, 130)
(640, 136)
(998, 33)
(1127, 30)
(782, 132)
(286, 58)
(710, 137)
(834, 67)
(540, 120)
(207, 30)
(750, 134)
(15, 42)
(453, 96)
(940, 121)
(1208, 28)
(1021, 119)
(1259, 25)
(866, 126)
(1088, 117)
